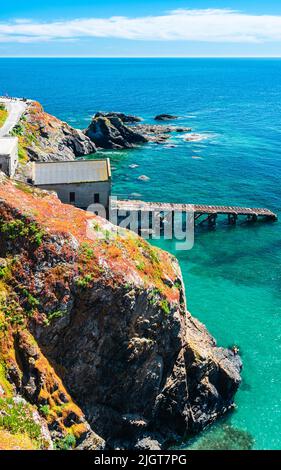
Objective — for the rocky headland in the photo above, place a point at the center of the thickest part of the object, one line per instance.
(97, 348)
(43, 137)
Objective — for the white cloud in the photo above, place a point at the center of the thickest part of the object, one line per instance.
(212, 25)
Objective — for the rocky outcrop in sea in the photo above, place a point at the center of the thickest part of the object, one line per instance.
(165, 117)
(125, 118)
(159, 134)
(95, 334)
(109, 131)
(43, 137)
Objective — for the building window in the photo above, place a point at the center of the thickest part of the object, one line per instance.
(72, 198)
(96, 198)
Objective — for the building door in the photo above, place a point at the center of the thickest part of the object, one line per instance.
(96, 198)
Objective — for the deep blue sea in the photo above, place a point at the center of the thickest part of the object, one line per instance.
(232, 275)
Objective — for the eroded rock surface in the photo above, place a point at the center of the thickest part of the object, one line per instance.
(43, 137)
(108, 131)
(126, 118)
(96, 329)
(159, 133)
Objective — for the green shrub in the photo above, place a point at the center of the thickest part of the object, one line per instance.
(19, 228)
(140, 265)
(66, 443)
(30, 299)
(84, 281)
(165, 306)
(44, 410)
(18, 130)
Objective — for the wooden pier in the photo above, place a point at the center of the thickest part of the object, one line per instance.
(202, 213)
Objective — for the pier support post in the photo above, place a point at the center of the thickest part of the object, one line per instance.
(212, 220)
(232, 218)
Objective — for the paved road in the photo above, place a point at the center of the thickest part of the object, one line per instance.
(15, 110)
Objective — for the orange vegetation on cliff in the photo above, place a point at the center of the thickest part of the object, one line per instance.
(128, 256)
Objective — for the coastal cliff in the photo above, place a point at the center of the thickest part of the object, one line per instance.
(43, 137)
(94, 333)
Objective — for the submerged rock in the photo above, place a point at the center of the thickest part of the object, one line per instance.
(223, 437)
(109, 132)
(105, 342)
(143, 178)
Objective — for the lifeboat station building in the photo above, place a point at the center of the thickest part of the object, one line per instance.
(80, 182)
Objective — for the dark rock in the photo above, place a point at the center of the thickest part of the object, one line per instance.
(158, 134)
(126, 118)
(50, 139)
(136, 370)
(165, 117)
(111, 133)
(169, 373)
(147, 443)
(90, 442)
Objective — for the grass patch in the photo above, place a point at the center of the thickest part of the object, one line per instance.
(17, 418)
(3, 114)
(5, 384)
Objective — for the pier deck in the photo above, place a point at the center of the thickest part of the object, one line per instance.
(210, 212)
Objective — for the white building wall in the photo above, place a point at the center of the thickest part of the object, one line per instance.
(14, 159)
(9, 159)
(84, 193)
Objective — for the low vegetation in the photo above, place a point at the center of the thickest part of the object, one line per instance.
(26, 134)
(16, 417)
(3, 114)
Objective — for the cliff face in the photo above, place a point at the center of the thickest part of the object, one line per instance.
(95, 332)
(43, 137)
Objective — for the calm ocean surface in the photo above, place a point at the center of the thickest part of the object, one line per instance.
(232, 275)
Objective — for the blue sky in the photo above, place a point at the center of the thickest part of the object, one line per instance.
(148, 28)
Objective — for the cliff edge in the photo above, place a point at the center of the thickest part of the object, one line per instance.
(43, 137)
(95, 335)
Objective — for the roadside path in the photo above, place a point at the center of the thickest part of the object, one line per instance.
(15, 110)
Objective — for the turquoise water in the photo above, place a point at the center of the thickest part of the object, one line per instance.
(232, 275)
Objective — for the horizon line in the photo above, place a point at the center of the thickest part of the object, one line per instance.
(138, 57)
